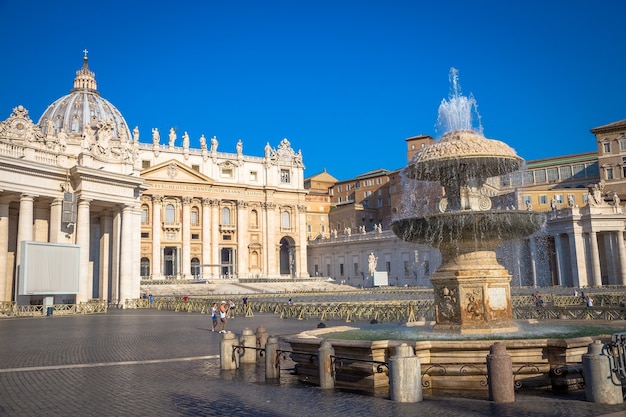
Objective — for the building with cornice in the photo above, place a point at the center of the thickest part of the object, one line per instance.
(80, 178)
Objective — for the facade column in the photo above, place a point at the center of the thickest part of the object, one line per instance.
(106, 230)
(186, 230)
(595, 260)
(126, 253)
(135, 256)
(206, 237)
(24, 224)
(621, 279)
(271, 266)
(215, 238)
(82, 240)
(301, 244)
(156, 269)
(242, 234)
(5, 281)
(559, 255)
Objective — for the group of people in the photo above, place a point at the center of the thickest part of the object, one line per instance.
(221, 314)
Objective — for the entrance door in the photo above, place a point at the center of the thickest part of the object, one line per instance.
(227, 262)
(170, 261)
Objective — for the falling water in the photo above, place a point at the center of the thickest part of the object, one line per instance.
(458, 112)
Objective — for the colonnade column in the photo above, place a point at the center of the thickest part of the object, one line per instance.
(595, 260)
(533, 260)
(621, 279)
(270, 239)
(186, 250)
(206, 236)
(116, 247)
(242, 231)
(559, 255)
(56, 211)
(126, 252)
(82, 239)
(577, 254)
(5, 282)
(106, 229)
(215, 236)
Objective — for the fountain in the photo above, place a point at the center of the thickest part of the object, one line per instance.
(471, 288)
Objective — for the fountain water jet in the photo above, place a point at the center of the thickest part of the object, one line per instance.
(471, 288)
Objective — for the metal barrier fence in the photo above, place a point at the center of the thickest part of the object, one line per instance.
(91, 307)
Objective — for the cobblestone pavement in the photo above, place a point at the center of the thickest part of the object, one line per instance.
(156, 363)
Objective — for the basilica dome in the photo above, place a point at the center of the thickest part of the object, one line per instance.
(83, 110)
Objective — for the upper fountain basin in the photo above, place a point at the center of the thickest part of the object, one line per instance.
(463, 154)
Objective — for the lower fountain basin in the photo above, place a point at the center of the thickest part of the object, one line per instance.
(469, 231)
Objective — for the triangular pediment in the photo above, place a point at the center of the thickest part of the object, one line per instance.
(174, 171)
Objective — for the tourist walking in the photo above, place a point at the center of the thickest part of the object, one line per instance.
(213, 317)
(223, 318)
(231, 309)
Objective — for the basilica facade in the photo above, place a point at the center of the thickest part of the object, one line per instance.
(80, 178)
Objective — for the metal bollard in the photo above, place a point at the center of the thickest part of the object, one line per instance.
(248, 340)
(324, 353)
(227, 361)
(405, 375)
(601, 384)
(272, 364)
(500, 374)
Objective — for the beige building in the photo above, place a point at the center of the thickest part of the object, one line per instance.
(318, 205)
(80, 178)
(611, 141)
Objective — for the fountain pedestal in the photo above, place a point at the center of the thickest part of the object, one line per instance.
(472, 295)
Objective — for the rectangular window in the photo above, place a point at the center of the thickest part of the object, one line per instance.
(571, 200)
(540, 175)
(609, 173)
(145, 235)
(527, 200)
(607, 147)
(528, 178)
(566, 172)
(407, 271)
(285, 176)
(341, 270)
(195, 236)
(578, 170)
(253, 176)
(196, 167)
(356, 269)
(543, 199)
(145, 164)
(559, 198)
(380, 202)
(622, 145)
(553, 175)
(226, 237)
(366, 203)
(227, 172)
(585, 199)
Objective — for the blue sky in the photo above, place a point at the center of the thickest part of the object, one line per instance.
(344, 81)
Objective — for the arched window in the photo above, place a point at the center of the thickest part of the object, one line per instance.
(285, 220)
(195, 267)
(195, 217)
(145, 267)
(170, 213)
(254, 259)
(254, 219)
(145, 219)
(225, 216)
